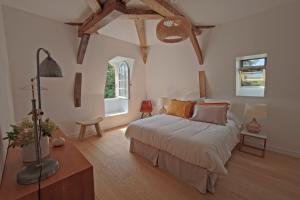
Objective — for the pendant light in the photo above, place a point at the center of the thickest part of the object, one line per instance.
(172, 29)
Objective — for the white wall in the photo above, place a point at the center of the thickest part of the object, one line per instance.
(27, 32)
(276, 33)
(172, 70)
(6, 106)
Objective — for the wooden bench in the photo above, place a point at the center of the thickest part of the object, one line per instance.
(93, 122)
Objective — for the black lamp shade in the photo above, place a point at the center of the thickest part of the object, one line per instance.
(49, 68)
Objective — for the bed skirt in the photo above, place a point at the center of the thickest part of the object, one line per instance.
(196, 176)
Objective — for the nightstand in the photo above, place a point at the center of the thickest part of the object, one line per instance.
(260, 137)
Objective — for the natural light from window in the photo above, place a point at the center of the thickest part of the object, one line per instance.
(117, 86)
(251, 75)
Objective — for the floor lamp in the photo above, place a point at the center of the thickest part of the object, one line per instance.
(42, 168)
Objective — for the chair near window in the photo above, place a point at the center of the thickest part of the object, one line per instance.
(146, 109)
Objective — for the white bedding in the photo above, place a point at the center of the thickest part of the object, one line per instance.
(206, 145)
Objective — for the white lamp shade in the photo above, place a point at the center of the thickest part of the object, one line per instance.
(163, 101)
(258, 111)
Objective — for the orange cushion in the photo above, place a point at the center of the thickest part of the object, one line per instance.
(180, 108)
(190, 108)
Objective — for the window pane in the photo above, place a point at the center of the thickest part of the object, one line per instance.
(253, 78)
(251, 75)
(109, 91)
(123, 80)
(254, 62)
(252, 72)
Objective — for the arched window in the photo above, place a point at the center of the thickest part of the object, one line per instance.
(117, 86)
(123, 78)
(117, 81)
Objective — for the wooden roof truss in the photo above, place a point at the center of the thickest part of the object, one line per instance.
(104, 13)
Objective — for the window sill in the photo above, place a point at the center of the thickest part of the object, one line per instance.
(115, 114)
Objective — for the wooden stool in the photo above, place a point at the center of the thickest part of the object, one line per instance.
(84, 124)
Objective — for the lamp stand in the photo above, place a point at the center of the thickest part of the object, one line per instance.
(253, 126)
(42, 168)
(162, 110)
(35, 172)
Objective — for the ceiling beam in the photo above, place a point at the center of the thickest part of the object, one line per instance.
(162, 7)
(84, 41)
(141, 16)
(94, 5)
(202, 84)
(101, 18)
(196, 46)
(138, 13)
(78, 24)
(140, 29)
(198, 29)
(74, 23)
(204, 26)
(165, 9)
(130, 13)
(144, 52)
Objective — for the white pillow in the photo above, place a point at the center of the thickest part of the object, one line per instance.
(196, 99)
(218, 101)
(210, 114)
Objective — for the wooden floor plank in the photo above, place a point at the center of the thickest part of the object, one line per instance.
(122, 175)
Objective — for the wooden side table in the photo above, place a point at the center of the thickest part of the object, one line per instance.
(264, 138)
(73, 180)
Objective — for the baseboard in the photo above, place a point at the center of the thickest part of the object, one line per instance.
(115, 128)
(284, 151)
(278, 150)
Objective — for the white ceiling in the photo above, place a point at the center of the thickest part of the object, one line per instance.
(202, 12)
(125, 30)
(60, 10)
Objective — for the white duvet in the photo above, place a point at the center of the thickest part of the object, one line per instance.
(206, 145)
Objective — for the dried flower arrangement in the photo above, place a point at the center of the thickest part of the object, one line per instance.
(23, 133)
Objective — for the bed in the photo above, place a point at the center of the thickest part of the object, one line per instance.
(194, 152)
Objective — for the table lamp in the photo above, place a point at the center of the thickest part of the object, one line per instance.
(254, 112)
(42, 168)
(146, 108)
(162, 102)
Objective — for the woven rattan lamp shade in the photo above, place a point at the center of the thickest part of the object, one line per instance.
(173, 29)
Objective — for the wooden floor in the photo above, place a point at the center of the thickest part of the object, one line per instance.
(120, 175)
